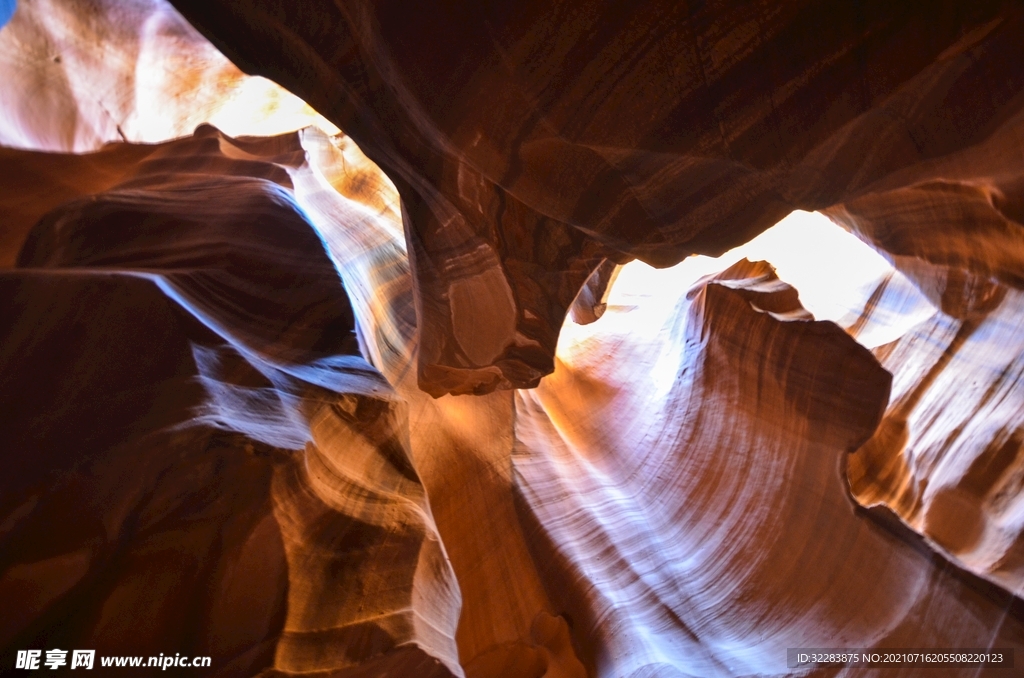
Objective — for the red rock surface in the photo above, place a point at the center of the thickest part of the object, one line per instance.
(266, 402)
(709, 526)
(80, 73)
(198, 458)
(529, 140)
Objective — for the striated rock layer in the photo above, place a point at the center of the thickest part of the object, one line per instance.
(198, 458)
(684, 487)
(224, 375)
(946, 458)
(80, 73)
(244, 249)
(531, 140)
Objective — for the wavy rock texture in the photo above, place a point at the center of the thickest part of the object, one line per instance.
(80, 73)
(461, 448)
(946, 457)
(226, 370)
(198, 456)
(348, 515)
(709, 526)
(529, 140)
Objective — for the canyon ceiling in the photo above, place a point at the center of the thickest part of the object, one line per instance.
(367, 338)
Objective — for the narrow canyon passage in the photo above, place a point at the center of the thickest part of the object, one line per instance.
(510, 340)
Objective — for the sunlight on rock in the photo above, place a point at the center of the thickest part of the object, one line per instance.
(155, 78)
(834, 272)
(295, 412)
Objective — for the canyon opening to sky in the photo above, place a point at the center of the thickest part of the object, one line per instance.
(512, 339)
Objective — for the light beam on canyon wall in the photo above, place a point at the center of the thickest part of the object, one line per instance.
(546, 384)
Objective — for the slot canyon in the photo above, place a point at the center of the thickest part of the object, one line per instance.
(578, 339)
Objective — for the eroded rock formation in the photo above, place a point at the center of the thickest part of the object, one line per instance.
(946, 457)
(228, 362)
(249, 493)
(79, 73)
(716, 519)
(529, 140)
